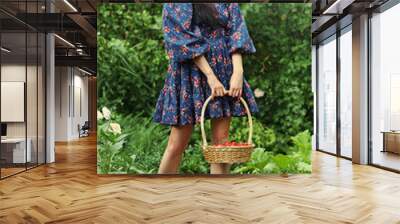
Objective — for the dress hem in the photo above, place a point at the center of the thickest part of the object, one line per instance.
(198, 122)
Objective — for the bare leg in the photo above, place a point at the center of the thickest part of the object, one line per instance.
(220, 134)
(177, 142)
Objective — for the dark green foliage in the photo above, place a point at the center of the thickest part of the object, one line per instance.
(193, 161)
(131, 58)
(281, 66)
(263, 137)
(139, 147)
(146, 140)
(297, 161)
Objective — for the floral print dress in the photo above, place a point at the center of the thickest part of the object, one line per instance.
(186, 88)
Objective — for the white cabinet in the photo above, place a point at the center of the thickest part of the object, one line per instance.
(18, 149)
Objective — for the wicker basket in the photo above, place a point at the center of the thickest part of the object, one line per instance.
(227, 154)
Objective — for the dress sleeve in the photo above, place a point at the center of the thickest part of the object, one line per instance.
(182, 43)
(239, 38)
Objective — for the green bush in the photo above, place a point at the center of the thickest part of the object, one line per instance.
(146, 140)
(140, 144)
(193, 161)
(131, 58)
(281, 66)
(297, 161)
(112, 156)
(263, 137)
(139, 147)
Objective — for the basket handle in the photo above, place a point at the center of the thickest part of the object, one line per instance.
(203, 110)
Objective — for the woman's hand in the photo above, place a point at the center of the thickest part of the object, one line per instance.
(236, 84)
(217, 89)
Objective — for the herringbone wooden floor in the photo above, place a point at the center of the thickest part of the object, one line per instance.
(70, 191)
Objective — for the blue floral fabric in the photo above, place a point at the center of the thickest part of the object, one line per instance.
(186, 88)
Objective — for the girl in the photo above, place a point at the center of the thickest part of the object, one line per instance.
(205, 43)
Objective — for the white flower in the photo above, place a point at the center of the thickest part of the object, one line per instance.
(99, 115)
(115, 128)
(258, 93)
(106, 113)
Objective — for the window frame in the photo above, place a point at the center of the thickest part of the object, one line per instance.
(31, 30)
(338, 33)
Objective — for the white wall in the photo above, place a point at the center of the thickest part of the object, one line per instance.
(13, 72)
(62, 81)
(33, 126)
(71, 94)
(9, 73)
(17, 73)
(80, 97)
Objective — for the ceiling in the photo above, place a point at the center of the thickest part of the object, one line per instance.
(331, 15)
(73, 22)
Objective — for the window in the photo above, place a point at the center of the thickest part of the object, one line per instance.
(22, 77)
(385, 89)
(346, 92)
(327, 95)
